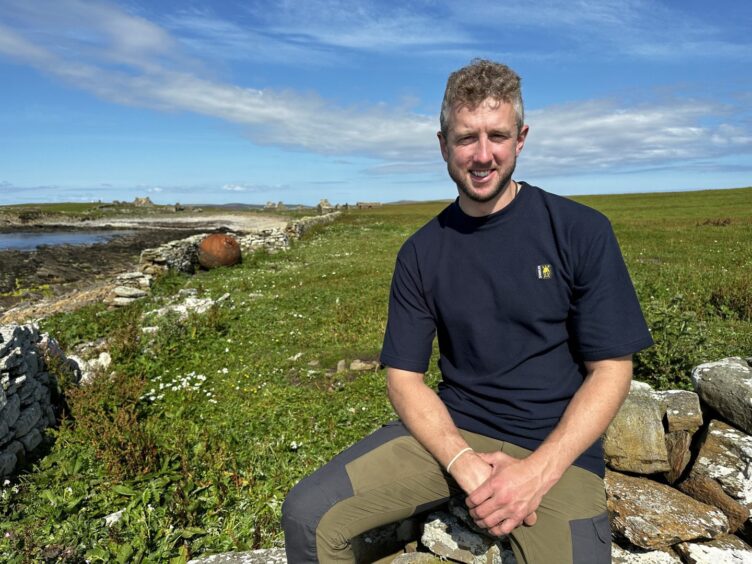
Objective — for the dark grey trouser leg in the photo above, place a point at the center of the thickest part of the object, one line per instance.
(385, 477)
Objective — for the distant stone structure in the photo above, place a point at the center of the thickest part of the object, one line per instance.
(324, 207)
(143, 202)
(367, 205)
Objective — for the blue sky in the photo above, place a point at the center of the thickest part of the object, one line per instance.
(300, 100)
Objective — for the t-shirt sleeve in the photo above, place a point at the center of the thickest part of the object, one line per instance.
(606, 318)
(410, 327)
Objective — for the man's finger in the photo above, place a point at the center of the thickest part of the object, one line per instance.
(504, 528)
(481, 494)
(497, 458)
(531, 519)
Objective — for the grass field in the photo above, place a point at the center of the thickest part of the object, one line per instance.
(203, 428)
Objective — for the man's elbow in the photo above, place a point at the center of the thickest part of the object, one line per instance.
(398, 382)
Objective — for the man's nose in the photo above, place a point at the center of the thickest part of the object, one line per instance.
(482, 150)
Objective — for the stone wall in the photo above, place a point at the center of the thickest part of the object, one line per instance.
(27, 392)
(182, 255)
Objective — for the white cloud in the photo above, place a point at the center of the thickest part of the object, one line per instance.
(155, 190)
(254, 188)
(598, 136)
(643, 29)
(127, 59)
(360, 24)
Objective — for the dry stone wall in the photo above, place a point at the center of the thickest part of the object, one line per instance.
(27, 391)
(182, 255)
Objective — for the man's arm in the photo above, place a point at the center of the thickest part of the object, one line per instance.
(516, 487)
(427, 419)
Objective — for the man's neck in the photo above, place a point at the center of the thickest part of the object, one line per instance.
(482, 209)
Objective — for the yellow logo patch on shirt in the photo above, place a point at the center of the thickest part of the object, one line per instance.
(544, 271)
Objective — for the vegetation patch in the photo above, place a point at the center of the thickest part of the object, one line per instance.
(192, 440)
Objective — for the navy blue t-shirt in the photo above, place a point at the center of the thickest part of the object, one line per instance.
(518, 300)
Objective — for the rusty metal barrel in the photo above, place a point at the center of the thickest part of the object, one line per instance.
(218, 249)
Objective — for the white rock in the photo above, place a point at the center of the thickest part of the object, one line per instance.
(620, 555)
(113, 518)
(129, 292)
(445, 536)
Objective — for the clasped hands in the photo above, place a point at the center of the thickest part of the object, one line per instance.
(503, 492)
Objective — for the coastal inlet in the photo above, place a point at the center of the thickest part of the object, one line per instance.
(54, 269)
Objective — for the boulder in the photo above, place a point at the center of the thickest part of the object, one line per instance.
(725, 457)
(652, 515)
(727, 549)
(635, 440)
(726, 386)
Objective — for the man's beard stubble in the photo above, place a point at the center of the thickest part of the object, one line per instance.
(468, 191)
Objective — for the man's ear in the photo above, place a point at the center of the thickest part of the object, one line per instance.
(521, 138)
(443, 146)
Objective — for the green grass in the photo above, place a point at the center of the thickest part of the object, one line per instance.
(203, 428)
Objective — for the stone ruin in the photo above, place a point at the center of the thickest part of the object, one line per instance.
(678, 485)
(324, 207)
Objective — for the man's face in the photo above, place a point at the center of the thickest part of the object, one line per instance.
(480, 149)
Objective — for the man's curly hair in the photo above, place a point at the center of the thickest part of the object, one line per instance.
(479, 80)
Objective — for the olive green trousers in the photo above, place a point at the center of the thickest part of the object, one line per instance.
(389, 476)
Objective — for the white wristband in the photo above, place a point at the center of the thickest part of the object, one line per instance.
(456, 456)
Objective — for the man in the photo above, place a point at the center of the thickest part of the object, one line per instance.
(536, 320)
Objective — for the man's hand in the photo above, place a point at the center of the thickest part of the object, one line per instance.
(509, 497)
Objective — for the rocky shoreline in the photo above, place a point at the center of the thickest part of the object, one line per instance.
(49, 274)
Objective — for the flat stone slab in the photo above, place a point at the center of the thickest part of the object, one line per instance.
(263, 556)
(621, 555)
(727, 550)
(652, 515)
(129, 292)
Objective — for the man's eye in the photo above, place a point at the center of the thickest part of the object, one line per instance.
(465, 140)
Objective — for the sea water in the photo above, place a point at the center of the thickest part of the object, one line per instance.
(30, 240)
